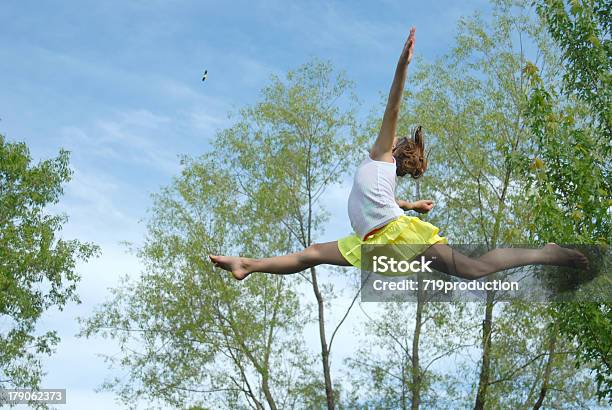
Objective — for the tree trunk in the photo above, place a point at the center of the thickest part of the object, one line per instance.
(329, 391)
(265, 385)
(485, 367)
(404, 384)
(487, 323)
(266, 390)
(546, 377)
(416, 370)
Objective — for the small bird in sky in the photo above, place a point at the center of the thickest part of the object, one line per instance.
(205, 75)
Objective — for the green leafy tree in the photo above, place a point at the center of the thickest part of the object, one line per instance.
(582, 29)
(202, 337)
(395, 365)
(293, 146)
(37, 267)
(193, 336)
(570, 177)
(472, 104)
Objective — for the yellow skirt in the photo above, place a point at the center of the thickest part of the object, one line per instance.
(405, 230)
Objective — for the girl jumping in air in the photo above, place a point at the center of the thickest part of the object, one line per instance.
(377, 217)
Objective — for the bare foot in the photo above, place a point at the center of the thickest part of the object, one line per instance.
(234, 264)
(560, 256)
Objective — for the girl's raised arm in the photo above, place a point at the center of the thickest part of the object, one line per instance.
(383, 146)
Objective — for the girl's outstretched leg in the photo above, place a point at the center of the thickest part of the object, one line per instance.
(446, 259)
(316, 254)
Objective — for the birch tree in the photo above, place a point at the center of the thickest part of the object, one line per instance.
(191, 335)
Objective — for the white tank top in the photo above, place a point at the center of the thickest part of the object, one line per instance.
(371, 203)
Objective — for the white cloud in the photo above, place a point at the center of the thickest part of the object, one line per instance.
(93, 203)
(142, 137)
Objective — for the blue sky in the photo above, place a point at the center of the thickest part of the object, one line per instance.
(118, 84)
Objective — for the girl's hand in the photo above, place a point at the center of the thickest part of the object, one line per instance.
(409, 46)
(423, 206)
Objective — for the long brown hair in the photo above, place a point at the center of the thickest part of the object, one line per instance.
(409, 155)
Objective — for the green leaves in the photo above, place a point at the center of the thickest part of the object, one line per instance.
(582, 30)
(255, 194)
(37, 269)
(571, 125)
